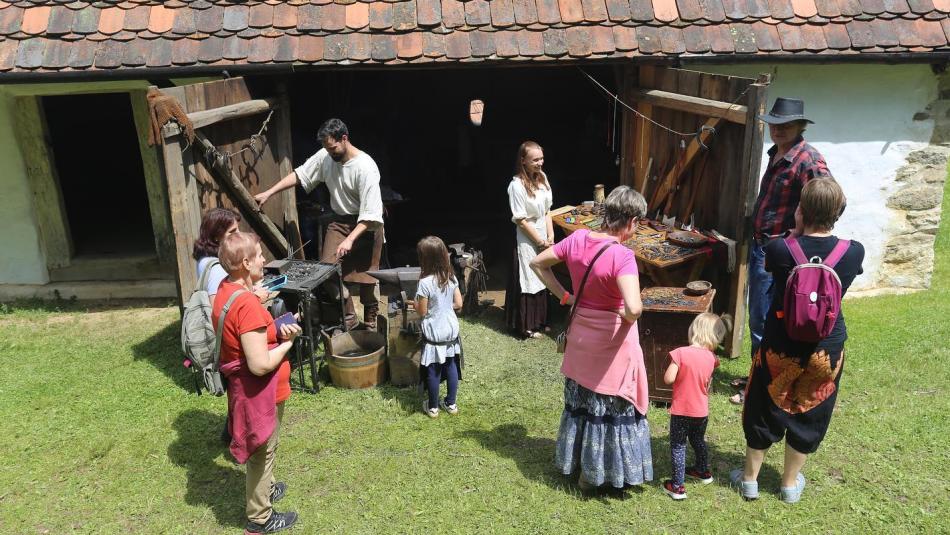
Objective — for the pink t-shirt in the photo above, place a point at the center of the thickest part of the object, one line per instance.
(691, 388)
(601, 291)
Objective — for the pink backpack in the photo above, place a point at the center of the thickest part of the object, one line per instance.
(812, 293)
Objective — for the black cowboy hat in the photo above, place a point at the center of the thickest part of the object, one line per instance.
(786, 110)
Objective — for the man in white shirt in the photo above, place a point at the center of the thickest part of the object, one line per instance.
(354, 235)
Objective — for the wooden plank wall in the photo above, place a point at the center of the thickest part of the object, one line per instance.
(720, 180)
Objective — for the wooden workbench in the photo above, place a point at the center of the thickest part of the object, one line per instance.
(664, 263)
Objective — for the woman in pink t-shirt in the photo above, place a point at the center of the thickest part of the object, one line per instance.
(604, 429)
(690, 372)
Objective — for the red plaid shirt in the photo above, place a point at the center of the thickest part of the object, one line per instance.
(782, 185)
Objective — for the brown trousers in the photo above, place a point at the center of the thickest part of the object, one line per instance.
(260, 476)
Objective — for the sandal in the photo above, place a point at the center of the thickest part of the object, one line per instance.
(737, 399)
(739, 382)
(533, 334)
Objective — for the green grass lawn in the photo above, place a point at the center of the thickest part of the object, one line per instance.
(105, 436)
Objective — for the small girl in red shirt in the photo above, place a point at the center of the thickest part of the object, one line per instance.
(690, 373)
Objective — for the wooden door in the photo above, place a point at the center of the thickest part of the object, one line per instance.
(710, 173)
(230, 124)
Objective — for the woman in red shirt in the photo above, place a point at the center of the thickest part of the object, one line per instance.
(253, 358)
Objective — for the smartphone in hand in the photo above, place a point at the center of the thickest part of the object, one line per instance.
(285, 319)
(276, 283)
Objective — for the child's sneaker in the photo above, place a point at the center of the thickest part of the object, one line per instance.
(675, 492)
(749, 490)
(704, 477)
(431, 412)
(794, 494)
(451, 409)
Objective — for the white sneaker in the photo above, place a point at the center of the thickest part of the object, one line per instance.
(451, 409)
(430, 412)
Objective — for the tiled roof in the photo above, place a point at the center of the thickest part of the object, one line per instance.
(39, 36)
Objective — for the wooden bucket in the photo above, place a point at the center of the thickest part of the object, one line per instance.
(357, 359)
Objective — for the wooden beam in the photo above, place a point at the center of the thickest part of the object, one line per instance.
(154, 181)
(666, 189)
(269, 232)
(281, 129)
(185, 212)
(204, 118)
(643, 130)
(733, 113)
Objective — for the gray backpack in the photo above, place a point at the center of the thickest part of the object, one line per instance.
(201, 345)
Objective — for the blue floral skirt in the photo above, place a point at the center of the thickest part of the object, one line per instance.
(606, 436)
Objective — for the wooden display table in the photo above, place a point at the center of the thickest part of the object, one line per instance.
(664, 326)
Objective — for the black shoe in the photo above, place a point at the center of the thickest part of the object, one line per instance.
(277, 491)
(276, 522)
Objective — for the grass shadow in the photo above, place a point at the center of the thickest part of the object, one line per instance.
(198, 445)
(163, 351)
(721, 462)
(408, 397)
(61, 305)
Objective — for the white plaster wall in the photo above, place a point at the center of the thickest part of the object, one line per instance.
(864, 127)
(21, 258)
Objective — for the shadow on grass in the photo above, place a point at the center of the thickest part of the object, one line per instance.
(220, 488)
(532, 455)
(163, 351)
(75, 305)
(408, 397)
(721, 462)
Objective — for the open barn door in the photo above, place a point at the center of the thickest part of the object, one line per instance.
(703, 166)
(242, 146)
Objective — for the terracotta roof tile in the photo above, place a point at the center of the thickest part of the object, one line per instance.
(743, 38)
(308, 18)
(578, 41)
(11, 19)
(641, 10)
(35, 20)
(433, 45)
(792, 39)
(483, 45)
(555, 42)
(780, 9)
(359, 47)
(30, 53)
(160, 53)
(211, 49)
(381, 15)
(210, 20)
(594, 10)
(109, 54)
(766, 37)
(262, 16)
(548, 11)
(671, 40)
(310, 48)
(720, 39)
(60, 22)
(571, 11)
(759, 9)
(82, 54)
(850, 8)
(185, 22)
(907, 33)
(285, 16)
(530, 44)
(236, 18)
(689, 10)
(357, 15)
(235, 48)
(735, 9)
(111, 20)
(921, 6)
(861, 34)
(814, 38)
(160, 19)
(409, 45)
(897, 7)
(872, 7)
(526, 12)
(8, 49)
(124, 36)
(506, 43)
(648, 39)
(804, 8)
(136, 19)
(56, 55)
(263, 50)
(602, 40)
(931, 34)
(694, 38)
(453, 13)
(665, 10)
(502, 13)
(185, 52)
(477, 13)
(457, 45)
(936, 15)
(885, 34)
(618, 10)
(429, 12)
(828, 8)
(286, 51)
(713, 11)
(87, 21)
(404, 15)
(945, 24)
(136, 53)
(836, 35)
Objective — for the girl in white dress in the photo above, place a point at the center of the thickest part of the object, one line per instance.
(529, 196)
(437, 299)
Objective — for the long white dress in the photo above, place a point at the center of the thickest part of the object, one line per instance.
(533, 209)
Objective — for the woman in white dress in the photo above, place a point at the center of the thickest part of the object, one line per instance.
(529, 195)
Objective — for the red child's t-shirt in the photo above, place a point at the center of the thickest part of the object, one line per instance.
(691, 388)
(245, 315)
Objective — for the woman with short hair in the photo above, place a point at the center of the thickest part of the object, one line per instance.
(215, 225)
(604, 428)
(253, 358)
(793, 384)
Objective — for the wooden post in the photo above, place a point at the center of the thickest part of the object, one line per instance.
(643, 130)
(154, 181)
(285, 160)
(185, 211)
(30, 124)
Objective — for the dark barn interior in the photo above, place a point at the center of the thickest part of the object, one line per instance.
(452, 174)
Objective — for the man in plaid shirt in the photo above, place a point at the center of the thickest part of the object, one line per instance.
(792, 163)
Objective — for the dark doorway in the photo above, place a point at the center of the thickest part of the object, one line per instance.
(97, 158)
(454, 175)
